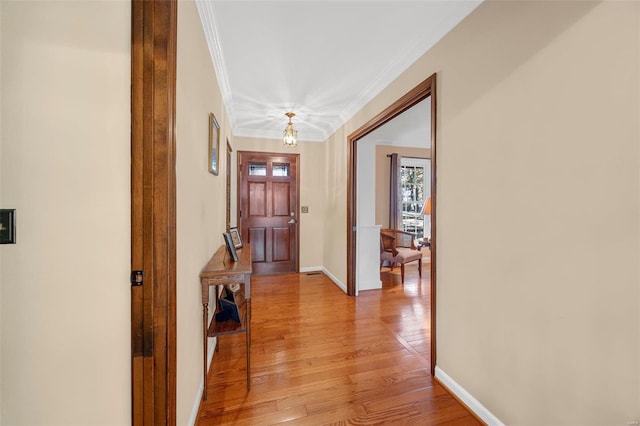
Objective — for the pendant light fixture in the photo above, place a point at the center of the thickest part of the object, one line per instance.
(290, 135)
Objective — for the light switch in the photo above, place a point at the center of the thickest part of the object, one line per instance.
(304, 209)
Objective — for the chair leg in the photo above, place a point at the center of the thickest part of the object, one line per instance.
(402, 272)
(420, 267)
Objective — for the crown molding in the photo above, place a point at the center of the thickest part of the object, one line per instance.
(396, 65)
(394, 68)
(205, 10)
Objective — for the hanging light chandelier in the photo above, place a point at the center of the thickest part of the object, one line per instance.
(290, 135)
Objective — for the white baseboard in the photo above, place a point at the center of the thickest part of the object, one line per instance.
(335, 280)
(196, 405)
(468, 399)
(370, 285)
(311, 269)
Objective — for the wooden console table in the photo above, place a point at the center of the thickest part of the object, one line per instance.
(222, 270)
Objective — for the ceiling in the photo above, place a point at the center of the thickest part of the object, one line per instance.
(411, 129)
(323, 60)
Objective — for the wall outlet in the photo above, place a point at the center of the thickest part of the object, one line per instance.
(304, 209)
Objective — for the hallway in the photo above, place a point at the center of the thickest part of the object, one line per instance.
(320, 357)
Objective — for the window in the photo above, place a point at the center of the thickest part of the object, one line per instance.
(257, 169)
(415, 188)
(280, 170)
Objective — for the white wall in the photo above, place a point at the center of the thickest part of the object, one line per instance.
(201, 214)
(368, 258)
(65, 167)
(538, 290)
(366, 193)
(368, 235)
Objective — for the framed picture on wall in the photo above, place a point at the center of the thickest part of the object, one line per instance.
(235, 237)
(214, 144)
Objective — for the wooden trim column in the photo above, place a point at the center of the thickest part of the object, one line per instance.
(434, 203)
(153, 211)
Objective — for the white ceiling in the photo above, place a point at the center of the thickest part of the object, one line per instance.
(410, 129)
(323, 60)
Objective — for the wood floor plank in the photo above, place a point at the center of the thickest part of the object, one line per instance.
(362, 393)
(244, 412)
(323, 399)
(279, 417)
(400, 415)
(320, 357)
(338, 416)
(415, 395)
(404, 364)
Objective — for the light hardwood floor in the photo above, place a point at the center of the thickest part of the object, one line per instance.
(321, 357)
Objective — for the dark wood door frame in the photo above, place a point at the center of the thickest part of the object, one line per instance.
(153, 211)
(228, 185)
(422, 91)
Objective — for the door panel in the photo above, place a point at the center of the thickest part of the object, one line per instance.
(268, 208)
(280, 244)
(281, 191)
(257, 199)
(258, 239)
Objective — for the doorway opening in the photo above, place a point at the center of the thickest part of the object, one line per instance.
(419, 93)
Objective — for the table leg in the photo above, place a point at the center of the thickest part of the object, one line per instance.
(205, 315)
(248, 345)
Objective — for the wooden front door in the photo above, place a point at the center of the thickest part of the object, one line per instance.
(268, 209)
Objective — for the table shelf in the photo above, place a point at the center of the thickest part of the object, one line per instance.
(221, 328)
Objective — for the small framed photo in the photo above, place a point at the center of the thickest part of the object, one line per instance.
(230, 247)
(235, 237)
(214, 144)
(7, 226)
